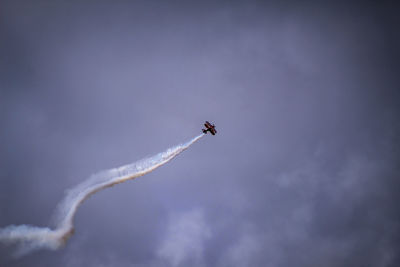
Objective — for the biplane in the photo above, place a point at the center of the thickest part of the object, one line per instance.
(209, 128)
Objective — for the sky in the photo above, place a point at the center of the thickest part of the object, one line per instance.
(304, 169)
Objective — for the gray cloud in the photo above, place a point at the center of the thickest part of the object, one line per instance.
(304, 169)
(184, 242)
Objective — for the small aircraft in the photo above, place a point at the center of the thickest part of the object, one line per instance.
(209, 128)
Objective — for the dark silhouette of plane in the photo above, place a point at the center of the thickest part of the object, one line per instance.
(209, 128)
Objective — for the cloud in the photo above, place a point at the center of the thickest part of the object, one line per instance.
(304, 169)
(184, 241)
(243, 251)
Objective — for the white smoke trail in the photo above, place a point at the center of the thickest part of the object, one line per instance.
(31, 237)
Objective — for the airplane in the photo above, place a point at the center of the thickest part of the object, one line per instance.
(209, 128)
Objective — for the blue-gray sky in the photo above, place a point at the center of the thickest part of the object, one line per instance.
(304, 170)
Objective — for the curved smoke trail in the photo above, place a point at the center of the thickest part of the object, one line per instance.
(32, 237)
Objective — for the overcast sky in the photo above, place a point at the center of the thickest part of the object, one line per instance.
(304, 170)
